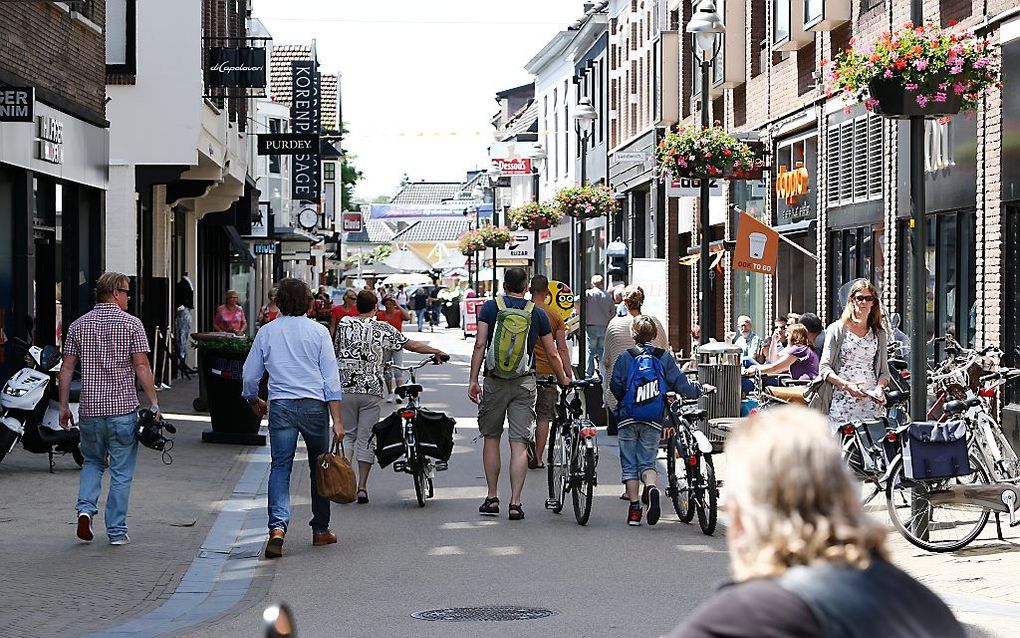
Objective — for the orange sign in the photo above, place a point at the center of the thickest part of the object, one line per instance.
(757, 246)
(792, 185)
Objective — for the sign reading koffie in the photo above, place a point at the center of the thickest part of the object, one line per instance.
(51, 140)
(305, 113)
(288, 143)
(17, 104)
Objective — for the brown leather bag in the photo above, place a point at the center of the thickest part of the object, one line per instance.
(334, 476)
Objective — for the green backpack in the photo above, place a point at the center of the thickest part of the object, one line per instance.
(507, 357)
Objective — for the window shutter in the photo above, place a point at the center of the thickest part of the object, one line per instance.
(860, 159)
(846, 153)
(875, 157)
(832, 164)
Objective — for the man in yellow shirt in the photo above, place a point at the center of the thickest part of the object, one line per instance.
(545, 404)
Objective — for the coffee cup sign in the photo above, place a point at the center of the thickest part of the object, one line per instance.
(757, 246)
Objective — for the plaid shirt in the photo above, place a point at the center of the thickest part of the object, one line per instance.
(103, 340)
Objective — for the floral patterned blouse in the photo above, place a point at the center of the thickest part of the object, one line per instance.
(858, 366)
(227, 320)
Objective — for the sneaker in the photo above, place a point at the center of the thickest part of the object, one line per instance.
(634, 514)
(653, 505)
(489, 507)
(120, 540)
(644, 494)
(84, 531)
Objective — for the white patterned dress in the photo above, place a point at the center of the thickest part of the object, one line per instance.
(858, 357)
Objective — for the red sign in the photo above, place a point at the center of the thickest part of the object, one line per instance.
(514, 166)
(353, 223)
(471, 308)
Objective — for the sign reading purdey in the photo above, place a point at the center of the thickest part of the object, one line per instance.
(288, 143)
(17, 104)
(305, 112)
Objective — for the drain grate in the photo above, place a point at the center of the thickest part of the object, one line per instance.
(498, 613)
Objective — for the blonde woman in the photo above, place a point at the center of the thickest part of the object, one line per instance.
(806, 558)
(853, 371)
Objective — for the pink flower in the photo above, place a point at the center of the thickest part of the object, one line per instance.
(959, 88)
(921, 64)
(954, 60)
(870, 103)
(922, 101)
(888, 73)
(910, 86)
(943, 86)
(956, 70)
(940, 97)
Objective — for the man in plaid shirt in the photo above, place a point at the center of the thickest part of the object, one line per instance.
(111, 346)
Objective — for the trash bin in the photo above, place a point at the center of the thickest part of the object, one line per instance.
(719, 365)
(220, 365)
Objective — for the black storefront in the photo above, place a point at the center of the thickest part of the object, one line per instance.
(796, 206)
(53, 176)
(1010, 263)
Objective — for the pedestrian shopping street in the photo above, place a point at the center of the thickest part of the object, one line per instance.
(198, 528)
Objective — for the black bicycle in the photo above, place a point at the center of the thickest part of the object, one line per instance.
(573, 452)
(691, 483)
(417, 461)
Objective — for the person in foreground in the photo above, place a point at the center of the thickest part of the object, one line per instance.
(806, 558)
(641, 377)
(304, 392)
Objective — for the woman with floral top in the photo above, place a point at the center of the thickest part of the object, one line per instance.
(230, 316)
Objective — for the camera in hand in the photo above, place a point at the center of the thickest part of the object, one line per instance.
(150, 434)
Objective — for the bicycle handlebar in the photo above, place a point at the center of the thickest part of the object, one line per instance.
(577, 383)
(435, 360)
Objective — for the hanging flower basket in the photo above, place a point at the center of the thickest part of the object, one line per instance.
(470, 243)
(534, 216)
(586, 202)
(701, 153)
(495, 236)
(924, 70)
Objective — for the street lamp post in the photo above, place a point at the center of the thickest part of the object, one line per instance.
(706, 26)
(494, 173)
(584, 116)
(538, 156)
(472, 266)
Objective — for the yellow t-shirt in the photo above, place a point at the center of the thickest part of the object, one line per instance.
(556, 323)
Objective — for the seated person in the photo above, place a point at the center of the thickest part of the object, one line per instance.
(798, 358)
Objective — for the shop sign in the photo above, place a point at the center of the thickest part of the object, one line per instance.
(521, 248)
(264, 248)
(288, 143)
(51, 140)
(353, 222)
(792, 185)
(305, 113)
(637, 158)
(561, 299)
(520, 166)
(757, 247)
(17, 105)
(471, 308)
(235, 68)
(686, 187)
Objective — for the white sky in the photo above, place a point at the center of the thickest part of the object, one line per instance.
(418, 79)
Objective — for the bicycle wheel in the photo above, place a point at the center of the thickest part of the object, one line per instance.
(559, 471)
(679, 492)
(707, 499)
(550, 460)
(938, 527)
(584, 485)
(419, 477)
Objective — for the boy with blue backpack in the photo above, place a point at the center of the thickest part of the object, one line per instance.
(641, 378)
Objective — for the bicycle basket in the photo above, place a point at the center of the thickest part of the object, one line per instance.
(933, 450)
(435, 434)
(389, 439)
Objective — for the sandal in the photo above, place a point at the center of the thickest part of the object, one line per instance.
(362, 499)
(516, 512)
(490, 506)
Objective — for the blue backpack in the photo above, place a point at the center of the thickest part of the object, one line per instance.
(645, 396)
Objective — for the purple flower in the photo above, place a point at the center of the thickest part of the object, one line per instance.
(922, 101)
(921, 64)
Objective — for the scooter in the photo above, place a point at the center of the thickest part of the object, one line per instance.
(30, 407)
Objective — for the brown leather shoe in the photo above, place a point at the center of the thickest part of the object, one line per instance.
(274, 548)
(323, 538)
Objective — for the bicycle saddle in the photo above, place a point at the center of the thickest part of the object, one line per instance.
(956, 407)
(792, 394)
(895, 396)
(411, 388)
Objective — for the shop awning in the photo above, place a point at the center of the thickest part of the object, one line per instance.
(240, 245)
(795, 227)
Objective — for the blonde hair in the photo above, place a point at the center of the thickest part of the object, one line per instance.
(796, 502)
(633, 297)
(875, 316)
(643, 329)
(107, 283)
(796, 334)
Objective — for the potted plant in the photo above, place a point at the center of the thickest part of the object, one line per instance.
(705, 153)
(220, 360)
(450, 298)
(923, 70)
(586, 202)
(470, 243)
(495, 236)
(534, 216)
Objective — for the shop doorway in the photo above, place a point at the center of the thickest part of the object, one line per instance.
(1011, 289)
(854, 253)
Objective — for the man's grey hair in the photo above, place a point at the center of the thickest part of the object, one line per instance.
(107, 283)
(597, 281)
(742, 318)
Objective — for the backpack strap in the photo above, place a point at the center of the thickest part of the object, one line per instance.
(500, 303)
(529, 307)
(635, 352)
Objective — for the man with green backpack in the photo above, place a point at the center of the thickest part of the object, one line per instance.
(508, 329)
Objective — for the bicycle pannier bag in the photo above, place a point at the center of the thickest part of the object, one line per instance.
(334, 476)
(933, 450)
(644, 397)
(507, 357)
(389, 439)
(435, 434)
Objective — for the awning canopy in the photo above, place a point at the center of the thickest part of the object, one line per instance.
(239, 245)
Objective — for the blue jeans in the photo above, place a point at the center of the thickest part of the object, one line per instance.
(639, 447)
(288, 418)
(421, 318)
(596, 346)
(113, 438)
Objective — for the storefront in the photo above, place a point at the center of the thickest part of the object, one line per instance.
(796, 206)
(855, 228)
(749, 287)
(951, 237)
(53, 177)
(1010, 176)
(641, 224)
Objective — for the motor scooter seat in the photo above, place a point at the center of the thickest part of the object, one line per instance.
(57, 437)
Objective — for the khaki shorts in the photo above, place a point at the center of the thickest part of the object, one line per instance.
(545, 404)
(510, 400)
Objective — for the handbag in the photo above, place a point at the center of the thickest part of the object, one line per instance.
(933, 450)
(334, 476)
